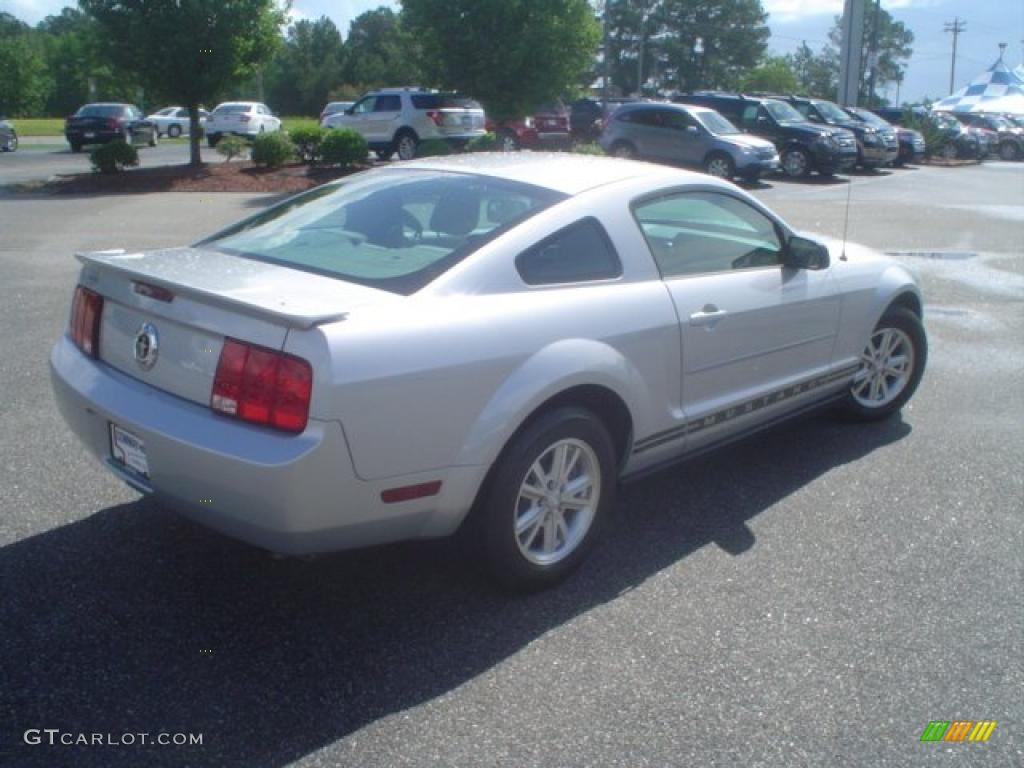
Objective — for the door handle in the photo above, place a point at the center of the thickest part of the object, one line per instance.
(708, 315)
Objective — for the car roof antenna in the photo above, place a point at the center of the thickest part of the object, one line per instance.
(846, 219)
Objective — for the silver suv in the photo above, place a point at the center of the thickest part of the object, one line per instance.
(694, 136)
(398, 119)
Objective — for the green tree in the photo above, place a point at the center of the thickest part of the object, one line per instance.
(513, 55)
(76, 55)
(732, 37)
(894, 49)
(25, 82)
(773, 74)
(817, 74)
(189, 51)
(306, 67)
(380, 51)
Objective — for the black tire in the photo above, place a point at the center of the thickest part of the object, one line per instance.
(75, 146)
(500, 504)
(508, 142)
(910, 332)
(719, 165)
(1009, 150)
(173, 131)
(406, 143)
(127, 137)
(12, 143)
(384, 154)
(154, 138)
(623, 149)
(213, 139)
(796, 163)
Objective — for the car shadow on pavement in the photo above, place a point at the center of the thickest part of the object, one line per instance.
(133, 620)
(812, 180)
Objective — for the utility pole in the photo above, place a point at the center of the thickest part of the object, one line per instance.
(852, 26)
(605, 64)
(873, 57)
(956, 26)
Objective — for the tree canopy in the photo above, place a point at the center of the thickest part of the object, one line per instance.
(513, 55)
(189, 51)
(774, 75)
(306, 68)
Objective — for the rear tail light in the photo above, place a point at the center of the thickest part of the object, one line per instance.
(262, 386)
(245, 118)
(113, 124)
(436, 116)
(86, 310)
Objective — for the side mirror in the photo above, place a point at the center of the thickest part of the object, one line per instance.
(802, 253)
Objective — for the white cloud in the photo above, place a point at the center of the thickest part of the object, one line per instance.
(794, 10)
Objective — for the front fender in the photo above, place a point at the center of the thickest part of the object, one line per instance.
(560, 366)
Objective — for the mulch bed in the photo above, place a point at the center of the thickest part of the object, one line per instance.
(240, 176)
(943, 162)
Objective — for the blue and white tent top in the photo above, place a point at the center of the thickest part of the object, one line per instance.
(998, 90)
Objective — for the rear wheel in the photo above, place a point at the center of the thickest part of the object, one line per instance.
(12, 143)
(552, 490)
(75, 146)
(213, 139)
(623, 149)
(154, 138)
(891, 367)
(796, 163)
(174, 131)
(384, 154)
(720, 166)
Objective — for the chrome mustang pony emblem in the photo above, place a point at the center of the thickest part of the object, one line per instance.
(147, 346)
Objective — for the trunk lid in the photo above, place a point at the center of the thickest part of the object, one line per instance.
(190, 299)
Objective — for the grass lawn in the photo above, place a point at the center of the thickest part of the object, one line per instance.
(38, 126)
(291, 122)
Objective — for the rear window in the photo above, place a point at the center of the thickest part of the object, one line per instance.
(443, 101)
(392, 229)
(232, 108)
(100, 110)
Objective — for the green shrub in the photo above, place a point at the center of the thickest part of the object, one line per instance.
(343, 146)
(231, 147)
(114, 157)
(272, 149)
(486, 143)
(307, 139)
(433, 148)
(587, 148)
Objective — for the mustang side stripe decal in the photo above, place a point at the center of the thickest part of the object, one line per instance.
(741, 409)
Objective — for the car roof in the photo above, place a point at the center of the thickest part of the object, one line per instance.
(559, 171)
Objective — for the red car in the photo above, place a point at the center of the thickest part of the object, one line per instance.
(547, 128)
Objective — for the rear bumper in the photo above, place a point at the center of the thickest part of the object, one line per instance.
(288, 493)
(76, 136)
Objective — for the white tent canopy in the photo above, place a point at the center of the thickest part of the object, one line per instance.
(996, 90)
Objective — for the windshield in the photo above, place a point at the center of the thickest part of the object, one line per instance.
(389, 229)
(782, 112)
(831, 112)
(718, 125)
(869, 117)
(232, 108)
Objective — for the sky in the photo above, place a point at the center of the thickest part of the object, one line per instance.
(989, 22)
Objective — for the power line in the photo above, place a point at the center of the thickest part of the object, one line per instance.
(956, 27)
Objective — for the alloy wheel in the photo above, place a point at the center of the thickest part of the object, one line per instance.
(886, 366)
(557, 501)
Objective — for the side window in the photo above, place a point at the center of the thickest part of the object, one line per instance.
(363, 106)
(677, 120)
(391, 102)
(695, 233)
(751, 113)
(579, 253)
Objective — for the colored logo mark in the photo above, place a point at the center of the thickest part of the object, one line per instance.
(958, 730)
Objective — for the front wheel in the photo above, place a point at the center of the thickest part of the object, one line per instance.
(174, 131)
(623, 149)
(796, 163)
(405, 146)
(12, 143)
(891, 367)
(552, 490)
(1008, 151)
(720, 166)
(508, 142)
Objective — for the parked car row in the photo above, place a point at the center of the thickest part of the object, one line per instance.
(174, 121)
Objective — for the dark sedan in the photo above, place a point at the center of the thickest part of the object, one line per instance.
(8, 136)
(102, 123)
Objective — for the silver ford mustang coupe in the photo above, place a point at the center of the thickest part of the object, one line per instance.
(485, 343)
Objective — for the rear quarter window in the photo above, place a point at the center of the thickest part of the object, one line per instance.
(582, 252)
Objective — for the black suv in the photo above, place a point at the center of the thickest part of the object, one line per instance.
(875, 146)
(802, 146)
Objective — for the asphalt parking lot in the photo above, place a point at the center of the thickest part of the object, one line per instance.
(813, 597)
